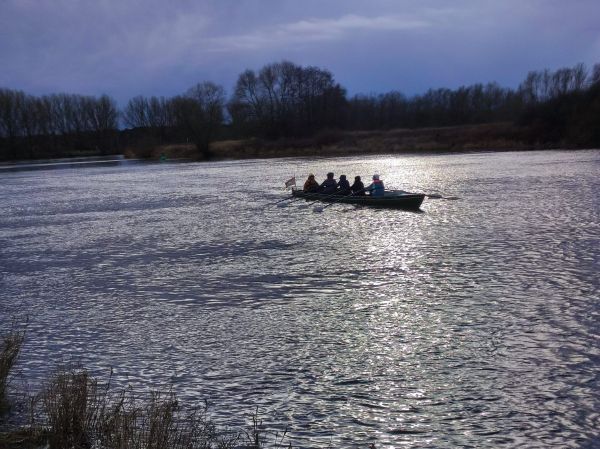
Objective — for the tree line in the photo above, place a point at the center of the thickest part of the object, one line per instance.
(285, 100)
(55, 124)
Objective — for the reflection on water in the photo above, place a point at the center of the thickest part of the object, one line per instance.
(474, 323)
(73, 162)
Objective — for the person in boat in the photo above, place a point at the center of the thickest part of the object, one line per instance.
(311, 185)
(358, 188)
(329, 186)
(343, 186)
(376, 187)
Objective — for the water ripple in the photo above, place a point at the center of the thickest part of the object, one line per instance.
(473, 324)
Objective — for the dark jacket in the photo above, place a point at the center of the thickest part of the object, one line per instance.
(358, 188)
(343, 186)
(329, 186)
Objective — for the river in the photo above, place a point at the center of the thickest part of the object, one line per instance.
(474, 323)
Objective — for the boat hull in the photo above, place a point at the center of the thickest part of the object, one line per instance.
(391, 200)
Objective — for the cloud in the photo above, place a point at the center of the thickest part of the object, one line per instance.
(81, 46)
(313, 30)
(128, 47)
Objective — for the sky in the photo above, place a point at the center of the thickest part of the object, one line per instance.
(125, 48)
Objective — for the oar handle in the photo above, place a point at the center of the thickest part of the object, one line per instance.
(280, 201)
(341, 197)
(358, 191)
(321, 199)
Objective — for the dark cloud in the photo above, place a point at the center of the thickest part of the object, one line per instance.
(125, 48)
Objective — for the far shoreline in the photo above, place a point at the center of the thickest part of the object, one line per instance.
(466, 139)
(485, 138)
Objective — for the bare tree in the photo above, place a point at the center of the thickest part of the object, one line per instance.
(285, 99)
(135, 114)
(595, 75)
(580, 75)
(159, 113)
(199, 114)
(12, 105)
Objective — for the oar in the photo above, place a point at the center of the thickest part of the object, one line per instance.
(306, 206)
(321, 209)
(292, 200)
(437, 196)
(291, 197)
(280, 201)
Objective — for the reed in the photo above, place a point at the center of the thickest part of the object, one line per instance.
(75, 411)
(71, 407)
(9, 352)
(159, 422)
(79, 413)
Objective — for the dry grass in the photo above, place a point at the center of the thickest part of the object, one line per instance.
(484, 137)
(156, 423)
(78, 413)
(22, 439)
(9, 352)
(72, 407)
(449, 139)
(75, 411)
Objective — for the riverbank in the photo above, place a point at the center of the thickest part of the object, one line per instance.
(454, 139)
(76, 410)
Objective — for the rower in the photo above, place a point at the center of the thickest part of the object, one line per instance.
(343, 186)
(376, 187)
(358, 188)
(329, 186)
(311, 185)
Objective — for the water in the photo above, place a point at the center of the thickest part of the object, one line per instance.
(471, 324)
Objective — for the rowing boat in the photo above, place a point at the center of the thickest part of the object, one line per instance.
(392, 199)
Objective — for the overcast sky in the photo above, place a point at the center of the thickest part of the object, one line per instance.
(132, 47)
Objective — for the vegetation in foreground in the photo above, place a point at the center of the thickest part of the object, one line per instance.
(9, 351)
(75, 411)
(291, 104)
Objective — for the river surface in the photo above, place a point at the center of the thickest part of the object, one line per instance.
(475, 323)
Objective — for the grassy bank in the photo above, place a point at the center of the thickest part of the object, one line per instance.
(75, 411)
(487, 137)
